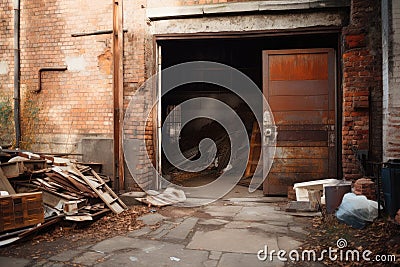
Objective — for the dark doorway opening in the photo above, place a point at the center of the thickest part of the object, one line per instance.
(244, 54)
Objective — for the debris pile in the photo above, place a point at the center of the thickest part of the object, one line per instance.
(39, 190)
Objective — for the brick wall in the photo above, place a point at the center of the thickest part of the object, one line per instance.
(391, 79)
(362, 89)
(78, 102)
(72, 103)
(6, 68)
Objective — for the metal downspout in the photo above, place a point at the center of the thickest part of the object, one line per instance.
(17, 72)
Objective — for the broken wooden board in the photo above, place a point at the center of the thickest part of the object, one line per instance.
(103, 191)
(12, 169)
(5, 184)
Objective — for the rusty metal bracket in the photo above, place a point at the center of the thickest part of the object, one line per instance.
(43, 70)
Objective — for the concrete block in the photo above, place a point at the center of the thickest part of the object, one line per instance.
(99, 150)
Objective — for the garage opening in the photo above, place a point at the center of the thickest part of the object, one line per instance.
(244, 54)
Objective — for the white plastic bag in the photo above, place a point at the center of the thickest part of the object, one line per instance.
(357, 210)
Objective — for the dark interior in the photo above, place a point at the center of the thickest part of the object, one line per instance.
(244, 54)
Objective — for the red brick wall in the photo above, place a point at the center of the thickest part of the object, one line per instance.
(362, 86)
(77, 102)
(6, 66)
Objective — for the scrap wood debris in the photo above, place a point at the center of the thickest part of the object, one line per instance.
(39, 190)
(382, 237)
(63, 236)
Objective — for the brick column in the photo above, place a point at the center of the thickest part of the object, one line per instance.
(362, 88)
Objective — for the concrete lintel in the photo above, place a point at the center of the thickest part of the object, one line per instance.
(231, 8)
(241, 7)
(172, 12)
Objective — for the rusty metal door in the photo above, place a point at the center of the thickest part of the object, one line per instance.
(299, 86)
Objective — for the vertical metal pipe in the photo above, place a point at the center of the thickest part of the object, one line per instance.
(159, 124)
(17, 93)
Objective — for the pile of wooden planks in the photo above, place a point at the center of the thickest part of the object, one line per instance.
(68, 189)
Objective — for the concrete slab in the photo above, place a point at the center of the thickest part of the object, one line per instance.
(115, 244)
(155, 253)
(212, 222)
(139, 232)
(239, 260)
(240, 200)
(262, 213)
(210, 263)
(66, 255)
(232, 240)
(260, 226)
(222, 211)
(89, 258)
(152, 218)
(298, 230)
(183, 229)
(15, 262)
(162, 230)
(215, 255)
(45, 263)
(288, 243)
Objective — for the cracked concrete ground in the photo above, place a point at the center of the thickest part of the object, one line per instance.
(228, 232)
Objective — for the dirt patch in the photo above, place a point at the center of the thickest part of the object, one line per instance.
(381, 237)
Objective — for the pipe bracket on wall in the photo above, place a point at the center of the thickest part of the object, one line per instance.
(43, 70)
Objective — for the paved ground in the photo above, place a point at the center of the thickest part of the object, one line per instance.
(228, 232)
